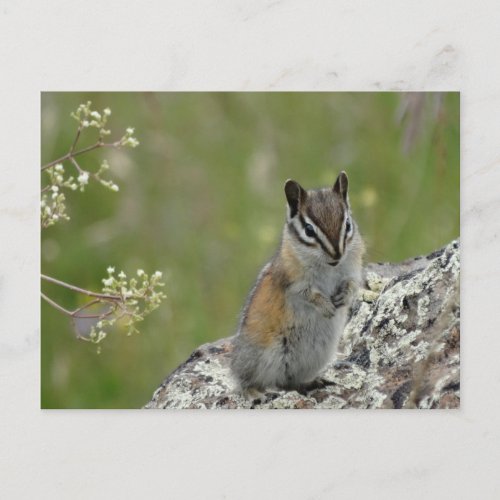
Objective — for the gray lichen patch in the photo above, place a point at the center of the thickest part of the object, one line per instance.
(351, 378)
(401, 347)
(375, 282)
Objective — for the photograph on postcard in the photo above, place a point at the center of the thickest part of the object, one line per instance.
(250, 250)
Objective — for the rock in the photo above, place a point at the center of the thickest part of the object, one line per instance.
(400, 349)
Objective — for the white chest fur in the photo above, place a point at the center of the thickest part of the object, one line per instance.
(313, 337)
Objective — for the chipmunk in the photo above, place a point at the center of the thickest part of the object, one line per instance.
(296, 312)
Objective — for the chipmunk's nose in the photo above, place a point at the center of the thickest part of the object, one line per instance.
(334, 263)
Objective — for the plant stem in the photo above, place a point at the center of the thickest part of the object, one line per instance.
(74, 314)
(72, 149)
(52, 163)
(56, 305)
(71, 154)
(75, 163)
(102, 315)
(80, 290)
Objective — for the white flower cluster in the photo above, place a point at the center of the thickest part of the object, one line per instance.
(83, 179)
(57, 179)
(87, 117)
(53, 206)
(105, 182)
(133, 299)
(128, 139)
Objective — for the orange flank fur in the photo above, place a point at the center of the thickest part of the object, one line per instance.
(266, 318)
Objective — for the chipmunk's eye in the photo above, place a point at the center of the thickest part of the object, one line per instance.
(309, 230)
(348, 226)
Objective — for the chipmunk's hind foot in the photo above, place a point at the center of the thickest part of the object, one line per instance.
(317, 383)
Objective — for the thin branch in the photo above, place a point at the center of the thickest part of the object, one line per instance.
(80, 290)
(89, 148)
(96, 146)
(110, 311)
(74, 314)
(56, 305)
(85, 306)
(70, 155)
(52, 163)
(93, 316)
(78, 132)
(75, 163)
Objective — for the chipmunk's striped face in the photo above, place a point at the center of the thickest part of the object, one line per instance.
(320, 221)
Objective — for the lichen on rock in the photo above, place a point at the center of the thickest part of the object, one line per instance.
(400, 349)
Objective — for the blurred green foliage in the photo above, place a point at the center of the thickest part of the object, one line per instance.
(201, 199)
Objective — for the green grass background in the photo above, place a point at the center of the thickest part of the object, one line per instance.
(201, 199)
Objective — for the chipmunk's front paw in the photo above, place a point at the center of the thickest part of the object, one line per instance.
(343, 293)
(328, 309)
(324, 305)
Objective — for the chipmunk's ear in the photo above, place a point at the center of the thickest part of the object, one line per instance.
(295, 195)
(341, 185)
